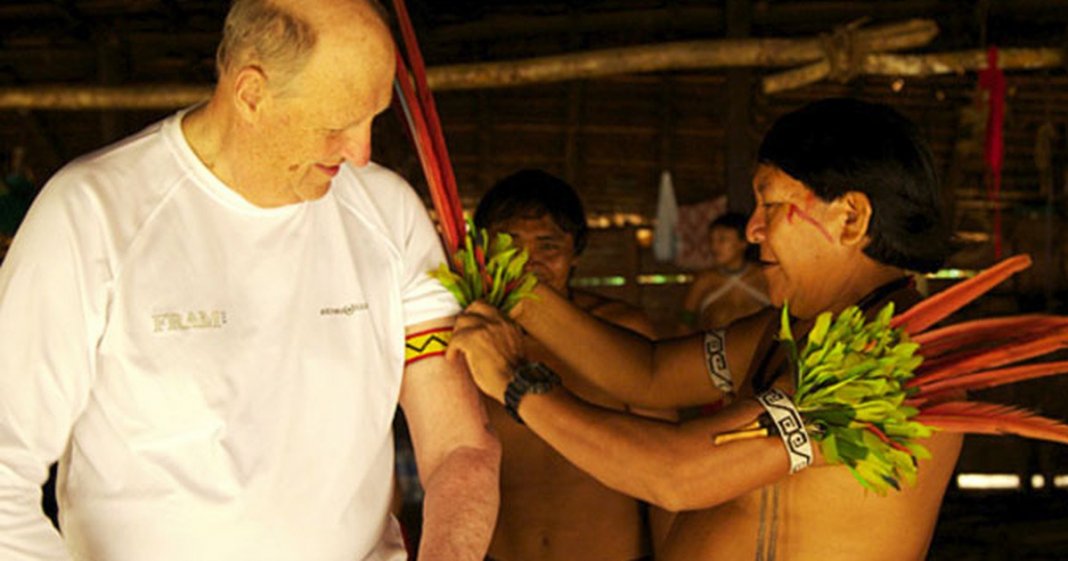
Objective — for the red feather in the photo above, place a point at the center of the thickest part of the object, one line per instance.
(988, 418)
(1000, 353)
(937, 307)
(989, 378)
(937, 342)
(443, 190)
(416, 122)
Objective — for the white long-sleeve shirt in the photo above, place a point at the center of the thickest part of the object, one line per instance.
(216, 379)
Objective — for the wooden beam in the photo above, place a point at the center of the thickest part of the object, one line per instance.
(957, 62)
(592, 64)
(101, 97)
(725, 53)
(685, 55)
(960, 62)
(844, 52)
(653, 58)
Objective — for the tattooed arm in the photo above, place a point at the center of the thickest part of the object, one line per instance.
(657, 375)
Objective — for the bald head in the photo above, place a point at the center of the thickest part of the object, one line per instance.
(279, 36)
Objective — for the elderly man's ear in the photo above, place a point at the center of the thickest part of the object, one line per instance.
(857, 209)
(250, 89)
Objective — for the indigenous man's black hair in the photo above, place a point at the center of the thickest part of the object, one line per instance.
(533, 193)
(835, 146)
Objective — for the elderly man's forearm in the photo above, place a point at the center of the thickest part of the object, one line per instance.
(460, 509)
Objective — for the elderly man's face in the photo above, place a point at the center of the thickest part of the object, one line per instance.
(323, 118)
(551, 250)
(799, 252)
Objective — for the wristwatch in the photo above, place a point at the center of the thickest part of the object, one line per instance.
(529, 377)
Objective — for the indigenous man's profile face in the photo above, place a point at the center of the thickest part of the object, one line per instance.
(797, 250)
(727, 245)
(551, 250)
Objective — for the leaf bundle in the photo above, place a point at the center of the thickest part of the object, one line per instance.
(850, 377)
(487, 270)
(868, 389)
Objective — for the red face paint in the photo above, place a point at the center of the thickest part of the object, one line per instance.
(794, 210)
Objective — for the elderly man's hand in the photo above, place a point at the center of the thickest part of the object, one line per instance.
(490, 343)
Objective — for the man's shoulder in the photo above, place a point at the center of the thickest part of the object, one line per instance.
(120, 155)
(377, 193)
(373, 181)
(134, 169)
(142, 160)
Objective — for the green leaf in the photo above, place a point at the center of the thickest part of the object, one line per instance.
(785, 334)
(829, 447)
(501, 280)
(819, 330)
(919, 451)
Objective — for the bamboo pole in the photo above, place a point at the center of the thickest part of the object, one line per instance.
(724, 53)
(673, 56)
(845, 49)
(81, 98)
(956, 62)
(960, 62)
(687, 55)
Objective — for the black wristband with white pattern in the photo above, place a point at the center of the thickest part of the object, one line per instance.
(790, 427)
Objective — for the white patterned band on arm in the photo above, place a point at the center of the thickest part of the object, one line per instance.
(716, 360)
(791, 427)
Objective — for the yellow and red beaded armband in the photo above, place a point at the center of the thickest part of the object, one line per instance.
(426, 344)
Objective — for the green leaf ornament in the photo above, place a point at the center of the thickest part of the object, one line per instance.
(489, 270)
(850, 376)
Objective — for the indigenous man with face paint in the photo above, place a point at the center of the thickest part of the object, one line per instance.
(846, 203)
(551, 510)
(206, 322)
(734, 288)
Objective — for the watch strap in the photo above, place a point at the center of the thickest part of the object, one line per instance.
(515, 391)
(529, 377)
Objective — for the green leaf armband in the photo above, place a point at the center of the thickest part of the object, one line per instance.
(790, 427)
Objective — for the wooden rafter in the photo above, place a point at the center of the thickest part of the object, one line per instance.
(811, 54)
(724, 53)
(920, 65)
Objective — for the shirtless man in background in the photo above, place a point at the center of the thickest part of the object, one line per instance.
(734, 288)
(847, 203)
(550, 510)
